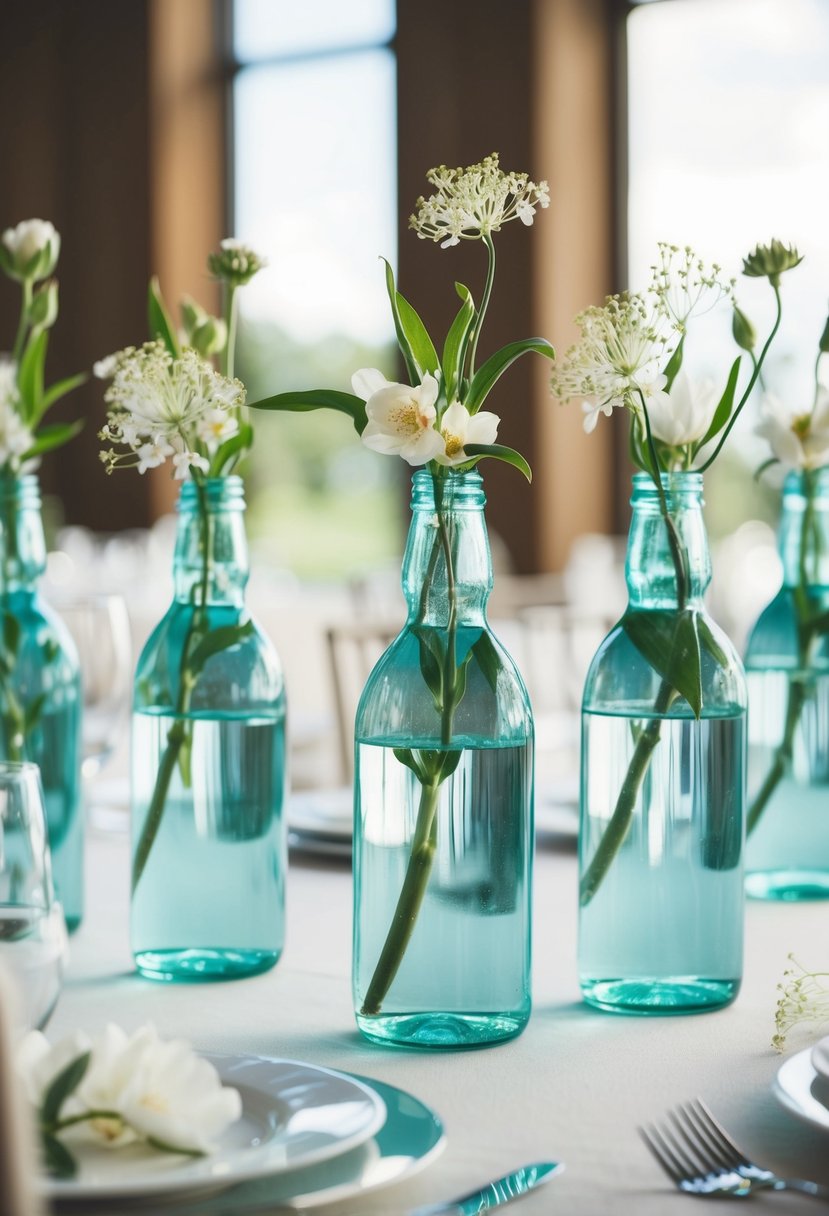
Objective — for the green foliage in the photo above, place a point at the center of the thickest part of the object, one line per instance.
(497, 451)
(158, 319)
(490, 372)
(318, 399)
(454, 349)
(61, 1088)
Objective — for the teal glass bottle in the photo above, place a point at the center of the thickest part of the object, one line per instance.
(443, 834)
(40, 687)
(208, 763)
(663, 791)
(787, 664)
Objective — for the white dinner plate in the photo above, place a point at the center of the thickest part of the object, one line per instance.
(326, 813)
(820, 1058)
(293, 1116)
(802, 1090)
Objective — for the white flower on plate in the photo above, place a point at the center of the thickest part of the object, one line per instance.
(799, 440)
(684, 415)
(32, 249)
(401, 418)
(141, 1087)
(458, 428)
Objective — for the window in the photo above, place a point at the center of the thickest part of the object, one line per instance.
(314, 173)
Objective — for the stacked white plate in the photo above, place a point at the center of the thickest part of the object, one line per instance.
(802, 1084)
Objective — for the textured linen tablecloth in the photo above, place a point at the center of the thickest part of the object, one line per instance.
(572, 1088)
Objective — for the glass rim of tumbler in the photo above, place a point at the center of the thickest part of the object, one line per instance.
(9, 768)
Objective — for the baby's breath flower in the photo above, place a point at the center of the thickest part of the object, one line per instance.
(474, 202)
(161, 407)
(235, 263)
(617, 358)
(804, 997)
(685, 286)
(770, 261)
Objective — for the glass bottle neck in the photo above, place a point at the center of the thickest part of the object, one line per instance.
(447, 568)
(804, 530)
(22, 542)
(668, 564)
(210, 564)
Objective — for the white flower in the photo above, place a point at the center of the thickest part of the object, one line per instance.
(185, 462)
(149, 1089)
(684, 415)
(105, 368)
(15, 436)
(474, 202)
(458, 428)
(216, 426)
(160, 406)
(799, 440)
(32, 249)
(401, 418)
(8, 379)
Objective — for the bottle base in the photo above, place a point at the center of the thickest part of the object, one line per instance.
(666, 996)
(203, 963)
(788, 885)
(434, 1030)
(73, 923)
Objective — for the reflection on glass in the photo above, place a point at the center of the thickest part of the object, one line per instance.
(32, 928)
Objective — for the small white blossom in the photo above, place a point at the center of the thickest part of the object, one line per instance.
(32, 249)
(458, 428)
(684, 286)
(105, 368)
(401, 418)
(684, 415)
(161, 407)
(798, 439)
(15, 436)
(148, 1089)
(474, 202)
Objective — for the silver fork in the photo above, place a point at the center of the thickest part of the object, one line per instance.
(700, 1158)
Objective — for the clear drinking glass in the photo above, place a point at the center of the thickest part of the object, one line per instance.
(32, 926)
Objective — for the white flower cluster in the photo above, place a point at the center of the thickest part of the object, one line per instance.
(15, 436)
(472, 203)
(403, 421)
(799, 439)
(143, 1087)
(161, 407)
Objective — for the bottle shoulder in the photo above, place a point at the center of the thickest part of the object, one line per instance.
(403, 693)
(626, 673)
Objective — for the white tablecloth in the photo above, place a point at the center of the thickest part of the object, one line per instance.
(572, 1088)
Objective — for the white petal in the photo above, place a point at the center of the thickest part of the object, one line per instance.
(429, 390)
(368, 381)
(483, 428)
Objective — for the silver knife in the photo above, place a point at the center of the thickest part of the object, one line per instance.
(502, 1190)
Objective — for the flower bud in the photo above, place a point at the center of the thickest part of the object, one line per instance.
(745, 335)
(29, 251)
(235, 263)
(43, 310)
(192, 316)
(210, 337)
(770, 261)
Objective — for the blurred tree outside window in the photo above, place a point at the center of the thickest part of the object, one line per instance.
(314, 189)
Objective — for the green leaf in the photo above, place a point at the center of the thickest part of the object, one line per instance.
(411, 760)
(57, 1158)
(402, 341)
(709, 642)
(488, 659)
(459, 685)
(670, 643)
(217, 640)
(30, 374)
(431, 663)
(160, 325)
(767, 464)
(33, 712)
(232, 448)
(674, 364)
(454, 349)
(488, 374)
(51, 437)
(449, 761)
(420, 343)
(63, 1086)
(497, 451)
(726, 404)
(164, 1146)
(11, 632)
(61, 389)
(318, 399)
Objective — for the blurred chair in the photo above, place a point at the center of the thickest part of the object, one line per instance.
(17, 1157)
(353, 650)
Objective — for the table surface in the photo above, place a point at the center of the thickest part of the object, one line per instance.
(572, 1088)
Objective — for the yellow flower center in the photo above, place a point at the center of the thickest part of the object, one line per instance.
(802, 425)
(454, 444)
(155, 1103)
(405, 418)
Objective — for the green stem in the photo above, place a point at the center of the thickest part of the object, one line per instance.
(72, 1120)
(177, 735)
(679, 555)
(798, 692)
(23, 323)
(424, 843)
(758, 365)
(231, 321)
(409, 902)
(490, 279)
(617, 829)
